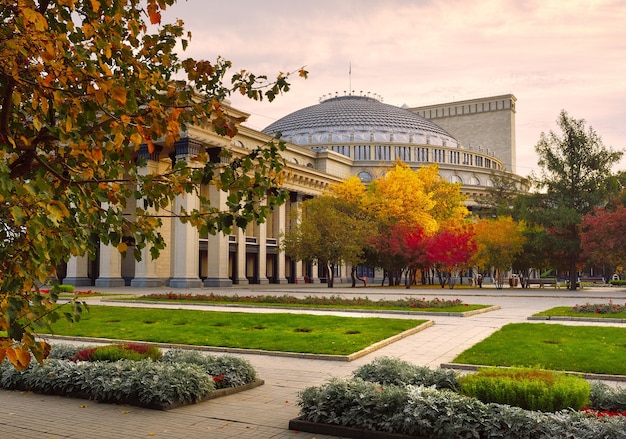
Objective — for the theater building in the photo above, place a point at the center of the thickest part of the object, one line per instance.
(339, 137)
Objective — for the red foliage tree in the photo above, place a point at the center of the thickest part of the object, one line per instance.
(450, 249)
(603, 236)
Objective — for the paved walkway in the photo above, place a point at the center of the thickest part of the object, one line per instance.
(264, 412)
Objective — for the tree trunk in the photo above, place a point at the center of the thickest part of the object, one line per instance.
(330, 275)
(573, 276)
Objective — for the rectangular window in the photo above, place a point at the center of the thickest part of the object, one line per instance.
(403, 153)
(341, 149)
(487, 163)
(382, 153)
(439, 155)
(421, 155)
(455, 157)
(362, 152)
(479, 161)
(363, 271)
(467, 159)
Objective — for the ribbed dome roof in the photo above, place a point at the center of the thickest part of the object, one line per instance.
(353, 119)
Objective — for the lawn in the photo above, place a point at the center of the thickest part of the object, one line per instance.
(302, 333)
(568, 311)
(590, 349)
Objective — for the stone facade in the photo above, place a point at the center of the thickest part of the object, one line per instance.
(253, 255)
(485, 125)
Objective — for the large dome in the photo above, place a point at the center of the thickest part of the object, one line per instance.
(353, 119)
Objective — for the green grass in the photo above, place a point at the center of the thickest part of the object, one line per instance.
(273, 331)
(590, 349)
(568, 311)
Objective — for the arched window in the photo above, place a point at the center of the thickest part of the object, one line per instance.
(365, 176)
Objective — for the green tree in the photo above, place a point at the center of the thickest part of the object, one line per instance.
(574, 178)
(327, 231)
(88, 88)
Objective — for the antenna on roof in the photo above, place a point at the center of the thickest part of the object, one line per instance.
(350, 75)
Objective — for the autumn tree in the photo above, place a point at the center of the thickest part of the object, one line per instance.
(603, 237)
(574, 177)
(88, 89)
(327, 231)
(498, 242)
(399, 250)
(410, 200)
(450, 249)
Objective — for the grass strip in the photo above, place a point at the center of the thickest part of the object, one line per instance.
(568, 311)
(319, 302)
(590, 349)
(301, 333)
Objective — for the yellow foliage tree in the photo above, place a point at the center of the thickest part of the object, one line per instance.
(88, 90)
(498, 241)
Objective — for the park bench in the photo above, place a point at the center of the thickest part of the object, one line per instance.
(543, 281)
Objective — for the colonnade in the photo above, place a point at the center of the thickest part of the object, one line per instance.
(189, 260)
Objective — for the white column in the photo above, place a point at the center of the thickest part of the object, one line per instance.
(185, 240)
(241, 257)
(281, 223)
(315, 279)
(299, 265)
(262, 256)
(110, 267)
(146, 273)
(77, 271)
(217, 270)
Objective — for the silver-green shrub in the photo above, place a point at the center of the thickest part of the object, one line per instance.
(226, 370)
(388, 370)
(428, 412)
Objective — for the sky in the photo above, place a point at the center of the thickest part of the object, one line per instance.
(552, 55)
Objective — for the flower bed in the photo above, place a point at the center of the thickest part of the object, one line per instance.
(179, 378)
(600, 308)
(309, 300)
(358, 408)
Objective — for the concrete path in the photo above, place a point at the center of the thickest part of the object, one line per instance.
(264, 412)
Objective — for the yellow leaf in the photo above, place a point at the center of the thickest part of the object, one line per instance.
(95, 4)
(19, 357)
(119, 94)
(125, 119)
(122, 247)
(37, 124)
(100, 96)
(88, 30)
(136, 138)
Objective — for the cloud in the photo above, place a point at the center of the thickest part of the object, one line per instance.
(551, 54)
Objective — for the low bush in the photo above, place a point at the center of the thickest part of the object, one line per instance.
(226, 370)
(618, 283)
(129, 351)
(146, 383)
(429, 412)
(606, 398)
(530, 389)
(386, 370)
(180, 377)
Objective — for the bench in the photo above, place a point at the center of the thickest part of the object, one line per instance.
(542, 282)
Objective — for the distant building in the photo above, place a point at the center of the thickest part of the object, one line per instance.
(326, 143)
